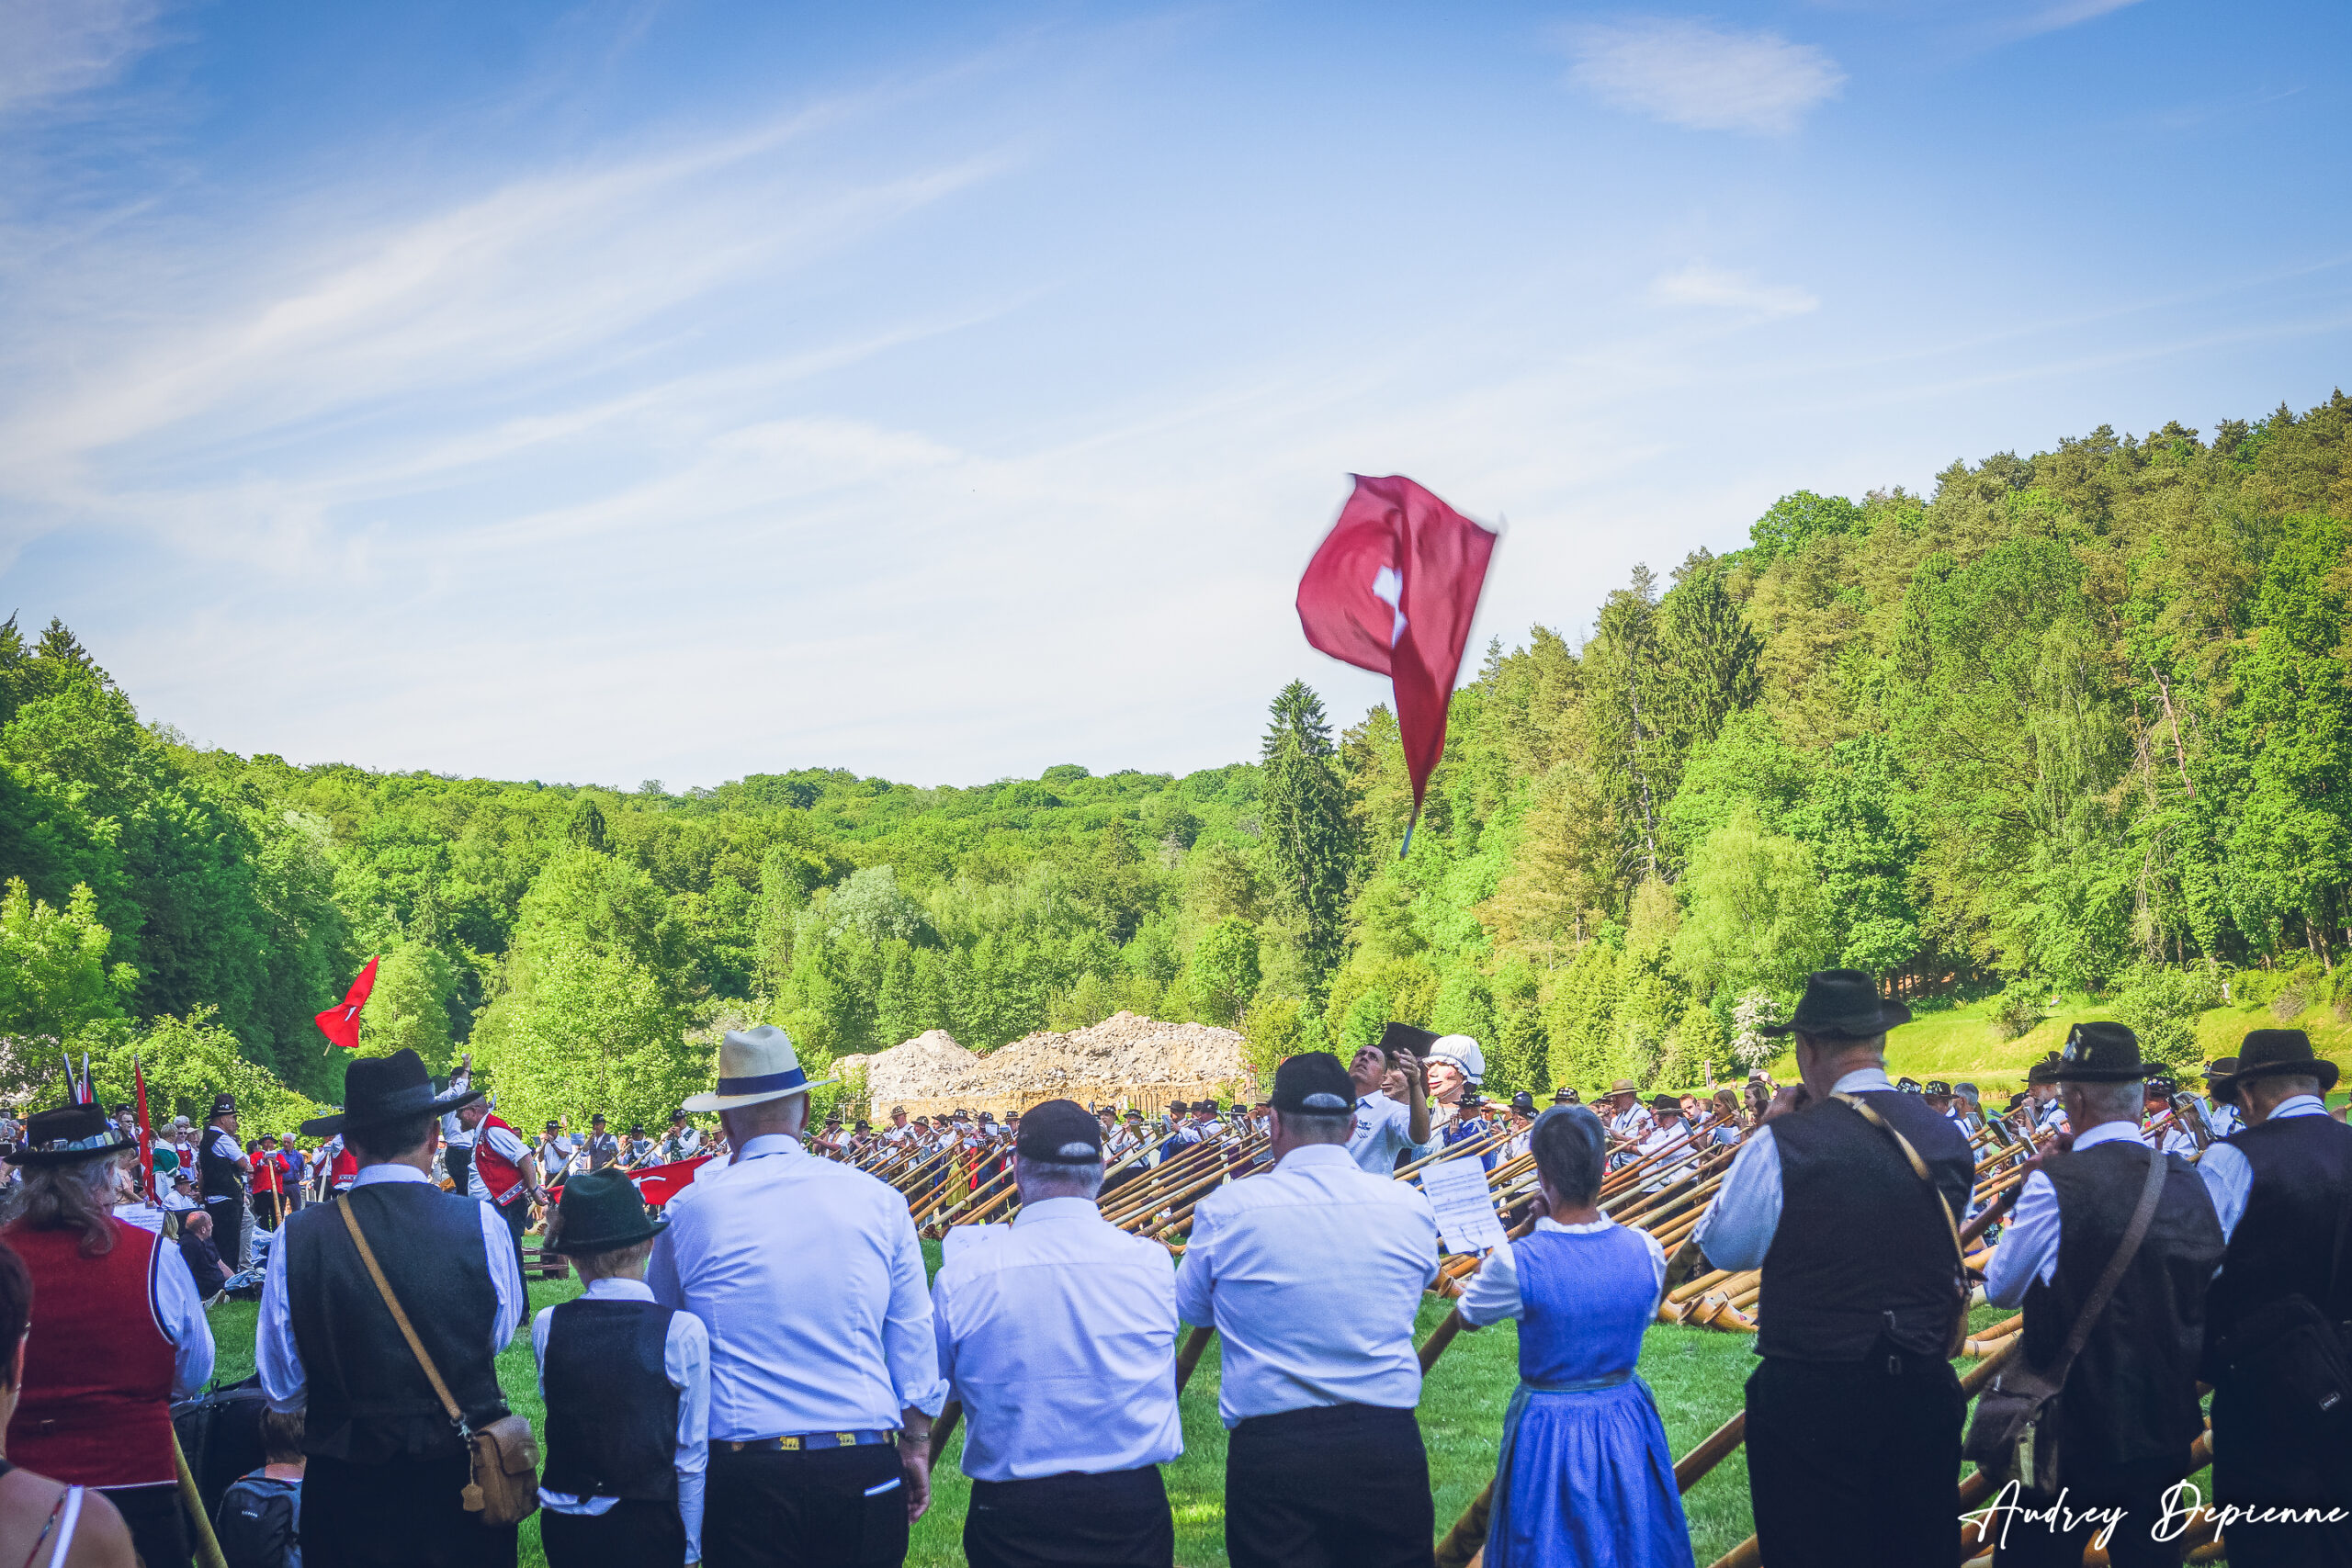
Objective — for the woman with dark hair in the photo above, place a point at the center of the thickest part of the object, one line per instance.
(1585, 1477)
(117, 1332)
(44, 1521)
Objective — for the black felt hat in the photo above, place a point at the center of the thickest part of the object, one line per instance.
(2101, 1053)
(602, 1210)
(1060, 1131)
(1842, 1004)
(1405, 1037)
(1665, 1102)
(2043, 1071)
(2281, 1052)
(378, 1090)
(69, 1133)
(224, 1105)
(1314, 1084)
(1938, 1089)
(1524, 1103)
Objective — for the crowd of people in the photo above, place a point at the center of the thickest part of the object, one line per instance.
(752, 1373)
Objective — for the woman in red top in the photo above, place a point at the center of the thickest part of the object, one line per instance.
(117, 1332)
(42, 1520)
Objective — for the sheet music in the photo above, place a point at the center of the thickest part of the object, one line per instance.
(1456, 1190)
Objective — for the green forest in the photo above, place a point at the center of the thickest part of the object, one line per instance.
(2079, 722)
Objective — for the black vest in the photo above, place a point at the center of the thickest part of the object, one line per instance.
(217, 1178)
(1862, 1251)
(2132, 1394)
(612, 1410)
(369, 1399)
(2285, 1241)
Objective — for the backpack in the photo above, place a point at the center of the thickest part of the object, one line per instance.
(258, 1523)
(220, 1433)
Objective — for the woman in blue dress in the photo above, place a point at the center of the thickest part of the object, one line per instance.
(1585, 1479)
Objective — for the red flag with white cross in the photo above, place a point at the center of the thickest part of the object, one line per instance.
(340, 1023)
(1392, 590)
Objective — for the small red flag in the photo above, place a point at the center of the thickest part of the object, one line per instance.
(1392, 590)
(146, 1135)
(340, 1023)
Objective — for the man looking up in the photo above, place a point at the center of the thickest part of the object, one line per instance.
(1385, 1127)
(1060, 1340)
(2129, 1404)
(807, 1274)
(387, 1472)
(2279, 1187)
(1854, 1412)
(1311, 1274)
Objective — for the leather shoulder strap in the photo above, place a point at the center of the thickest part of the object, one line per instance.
(408, 1330)
(2125, 1250)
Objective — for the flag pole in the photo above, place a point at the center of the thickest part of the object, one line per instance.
(1409, 824)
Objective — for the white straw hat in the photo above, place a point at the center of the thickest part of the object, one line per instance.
(755, 1064)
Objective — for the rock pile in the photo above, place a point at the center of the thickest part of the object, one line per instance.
(1122, 1055)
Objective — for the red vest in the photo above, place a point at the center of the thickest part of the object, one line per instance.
(343, 1170)
(499, 1177)
(97, 1403)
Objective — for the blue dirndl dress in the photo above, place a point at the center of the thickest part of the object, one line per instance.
(1585, 1479)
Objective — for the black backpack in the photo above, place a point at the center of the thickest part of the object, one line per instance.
(258, 1523)
(220, 1433)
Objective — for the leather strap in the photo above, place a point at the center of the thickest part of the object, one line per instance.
(408, 1331)
(2125, 1250)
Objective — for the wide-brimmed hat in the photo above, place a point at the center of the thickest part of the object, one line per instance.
(602, 1210)
(69, 1133)
(2101, 1053)
(1665, 1102)
(756, 1066)
(378, 1090)
(2281, 1052)
(1624, 1086)
(1841, 1004)
(2043, 1071)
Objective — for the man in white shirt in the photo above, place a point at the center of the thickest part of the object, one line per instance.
(2222, 1117)
(1385, 1127)
(456, 1138)
(1668, 1139)
(1312, 1274)
(1627, 1122)
(897, 1132)
(1059, 1337)
(824, 1375)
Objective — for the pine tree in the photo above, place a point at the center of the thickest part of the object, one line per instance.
(1310, 833)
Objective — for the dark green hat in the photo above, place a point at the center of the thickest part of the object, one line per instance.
(2101, 1053)
(601, 1212)
(2281, 1052)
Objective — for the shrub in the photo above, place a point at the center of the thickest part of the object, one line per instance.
(2020, 1008)
(2161, 1004)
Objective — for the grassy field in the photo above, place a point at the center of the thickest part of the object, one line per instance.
(1697, 1374)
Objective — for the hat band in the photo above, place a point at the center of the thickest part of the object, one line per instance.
(791, 1077)
(106, 1140)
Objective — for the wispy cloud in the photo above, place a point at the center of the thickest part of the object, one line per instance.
(2066, 14)
(52, 49)
(1714, 288)
(1702, 75)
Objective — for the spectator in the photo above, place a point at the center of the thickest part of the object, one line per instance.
(202, 1258)
(260, 1518)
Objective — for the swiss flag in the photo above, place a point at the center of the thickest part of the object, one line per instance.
(340, 1023)
(1392, 591)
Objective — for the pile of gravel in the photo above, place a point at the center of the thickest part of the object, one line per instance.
(1122, 1055)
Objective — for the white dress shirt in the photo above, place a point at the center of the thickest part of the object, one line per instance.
(2228, 1178)
(1736, 1231)
(1493, 1295)
(503, 1142)
(281, 1361)
(685, 1361)
(1665, 1137)
(2050, 1117)
(179, 1312)
(809, 1276)
(1383, 1131)
(2223, 1118)
(1059, 1336)
(2028, 1249)
(1311, 1273)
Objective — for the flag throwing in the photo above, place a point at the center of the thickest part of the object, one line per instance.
(340, 1023)
(1392, 590)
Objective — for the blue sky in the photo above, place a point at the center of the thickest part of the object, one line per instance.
(680, 390)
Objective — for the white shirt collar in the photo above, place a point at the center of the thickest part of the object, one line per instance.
(1309, 1155)
(2299, 1105)
(1590, 1227)
(1862, 1079)
(612, 1289)
(2106, 1133)
(1045, 1209)
(390, 1170)
(768, 1143)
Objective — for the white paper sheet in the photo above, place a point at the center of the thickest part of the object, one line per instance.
(1466, 1211)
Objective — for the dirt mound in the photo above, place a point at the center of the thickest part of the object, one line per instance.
(1122, 1054)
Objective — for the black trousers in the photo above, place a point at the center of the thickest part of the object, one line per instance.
(458, 1160)
(1855, 1462)
(1115, 1521)
(157, 1522)
(2260, 1461)
(630, 1531)
(817, 1508)
(1336, 1486)
(228, 1230)
(401, 1514)
(2137, 1489)
(516, 1214)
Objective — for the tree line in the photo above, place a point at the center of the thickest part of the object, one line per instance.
(2080, 721)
